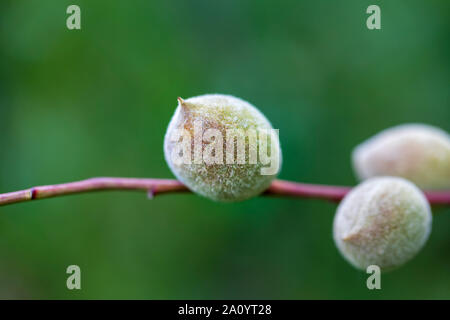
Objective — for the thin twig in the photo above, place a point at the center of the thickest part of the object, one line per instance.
(155, 187)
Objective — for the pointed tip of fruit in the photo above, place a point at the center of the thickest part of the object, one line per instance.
(185, 105)
(350, 236)
(347, 238)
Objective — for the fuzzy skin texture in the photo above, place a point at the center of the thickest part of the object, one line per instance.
(384, 221)
(219, 182)
(417, 152)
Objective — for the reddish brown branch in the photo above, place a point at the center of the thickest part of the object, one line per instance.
(303, 190)
(159, 186)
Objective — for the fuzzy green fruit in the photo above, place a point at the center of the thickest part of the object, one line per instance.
(207, 124)
(384, 221)
(417, 152)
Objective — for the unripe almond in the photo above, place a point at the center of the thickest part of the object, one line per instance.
(417, 152)
(383, 221)
(211, 122)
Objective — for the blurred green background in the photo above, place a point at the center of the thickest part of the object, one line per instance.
(96, 102)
